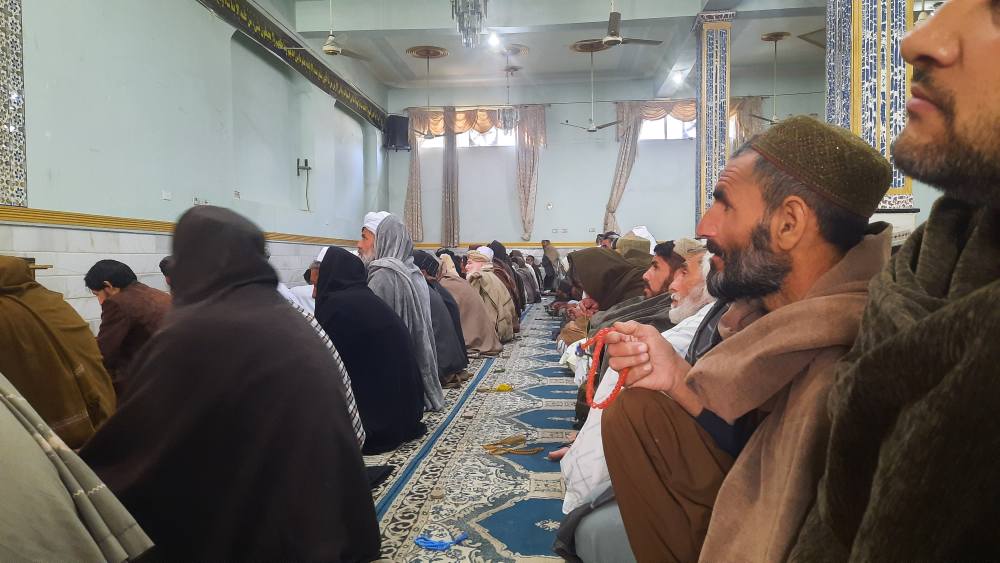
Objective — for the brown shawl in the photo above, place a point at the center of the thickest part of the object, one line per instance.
(769, 490)
(607, 276)
(477, 326)
(51, 356)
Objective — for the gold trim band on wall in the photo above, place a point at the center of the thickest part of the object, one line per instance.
(42, 217)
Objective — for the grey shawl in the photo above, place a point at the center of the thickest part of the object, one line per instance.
(396, 280)
(55, 508)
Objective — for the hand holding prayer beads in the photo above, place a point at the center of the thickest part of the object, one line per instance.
(597, 343)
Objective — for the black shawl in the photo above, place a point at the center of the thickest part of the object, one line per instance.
(234, 443)
(429, 264)
(377, 350)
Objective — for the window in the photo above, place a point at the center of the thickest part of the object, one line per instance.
(472, 138)
(668, 128)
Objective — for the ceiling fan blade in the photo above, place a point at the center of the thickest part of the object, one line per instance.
(762, 118)
(630, 41)
(354, 55)
(608, 124)
(614, 24)
(576, 126)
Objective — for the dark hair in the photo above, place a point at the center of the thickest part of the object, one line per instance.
(166, 266)
(112, 271)
(842, 228)
(665, 250)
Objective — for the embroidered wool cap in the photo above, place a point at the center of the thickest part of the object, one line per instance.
(829, 160)
(685, 247)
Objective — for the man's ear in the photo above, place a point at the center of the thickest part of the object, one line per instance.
(789, 223)
(107, 285)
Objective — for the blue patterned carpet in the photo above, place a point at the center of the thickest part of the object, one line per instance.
(445, 484)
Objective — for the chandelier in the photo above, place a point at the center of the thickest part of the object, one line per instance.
(471, 18)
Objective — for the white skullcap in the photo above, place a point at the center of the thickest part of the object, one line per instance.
(374, 219)
(642, 231)
(486, 251)
(322, 254)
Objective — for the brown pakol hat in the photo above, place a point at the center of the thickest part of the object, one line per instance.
(830, 160)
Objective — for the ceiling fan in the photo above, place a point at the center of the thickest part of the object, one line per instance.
(773, 37)
(592, 127)
(331, 47)
(614, 36)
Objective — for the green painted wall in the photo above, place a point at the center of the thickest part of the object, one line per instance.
(128, 99)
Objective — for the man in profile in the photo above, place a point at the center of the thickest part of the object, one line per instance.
(911, 471)
(131, 312)
(793, 254)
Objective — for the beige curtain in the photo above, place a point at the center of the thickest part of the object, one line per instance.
(629, 124)
(746, 125)
(412, 210)
(449, 182)
(630, 117)
(530, 138)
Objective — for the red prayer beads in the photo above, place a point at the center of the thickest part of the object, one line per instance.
(597, 343)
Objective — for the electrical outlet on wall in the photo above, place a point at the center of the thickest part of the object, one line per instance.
(563, 230)
(236, 194)
(592, 230)
(166, 196)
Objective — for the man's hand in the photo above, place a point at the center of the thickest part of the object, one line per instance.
(589, 307)
(651, 360)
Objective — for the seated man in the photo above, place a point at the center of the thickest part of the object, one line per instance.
(788, 229)
(585, 472)
(478, 329)
(499, 304)
(446, 320)
(235, 442)
(131, 312)
(652, 307)
(912, 457)
(389, 391)
(385, 249)
(51, 356)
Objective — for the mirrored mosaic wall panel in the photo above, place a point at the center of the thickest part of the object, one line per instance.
(13, 174)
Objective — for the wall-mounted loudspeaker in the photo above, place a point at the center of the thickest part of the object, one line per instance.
(397, 133)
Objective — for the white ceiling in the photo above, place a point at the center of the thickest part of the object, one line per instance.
(382, 30)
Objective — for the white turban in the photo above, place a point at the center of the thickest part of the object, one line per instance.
(374, 219)
(484, 251)
(642, 231)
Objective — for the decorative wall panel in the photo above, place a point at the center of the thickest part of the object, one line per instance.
(714, 30)
(867, 79)
(13, 178)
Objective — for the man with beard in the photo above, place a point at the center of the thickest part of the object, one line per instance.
(385, 248)
(794, 253)
(913, 449)
(585, 472)
(652, 307)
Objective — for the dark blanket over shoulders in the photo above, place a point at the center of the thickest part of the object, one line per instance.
(912, 464)
(235, 443)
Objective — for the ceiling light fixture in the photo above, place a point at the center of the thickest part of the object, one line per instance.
(470, 15)
(494, 40)
(678, 78)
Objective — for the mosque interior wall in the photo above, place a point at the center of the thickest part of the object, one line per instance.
(140, 109)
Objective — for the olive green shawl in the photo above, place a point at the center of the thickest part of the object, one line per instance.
(911, 471)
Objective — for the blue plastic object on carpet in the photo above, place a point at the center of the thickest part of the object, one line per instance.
(439, 545)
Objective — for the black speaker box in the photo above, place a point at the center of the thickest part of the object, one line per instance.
(397, 133)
